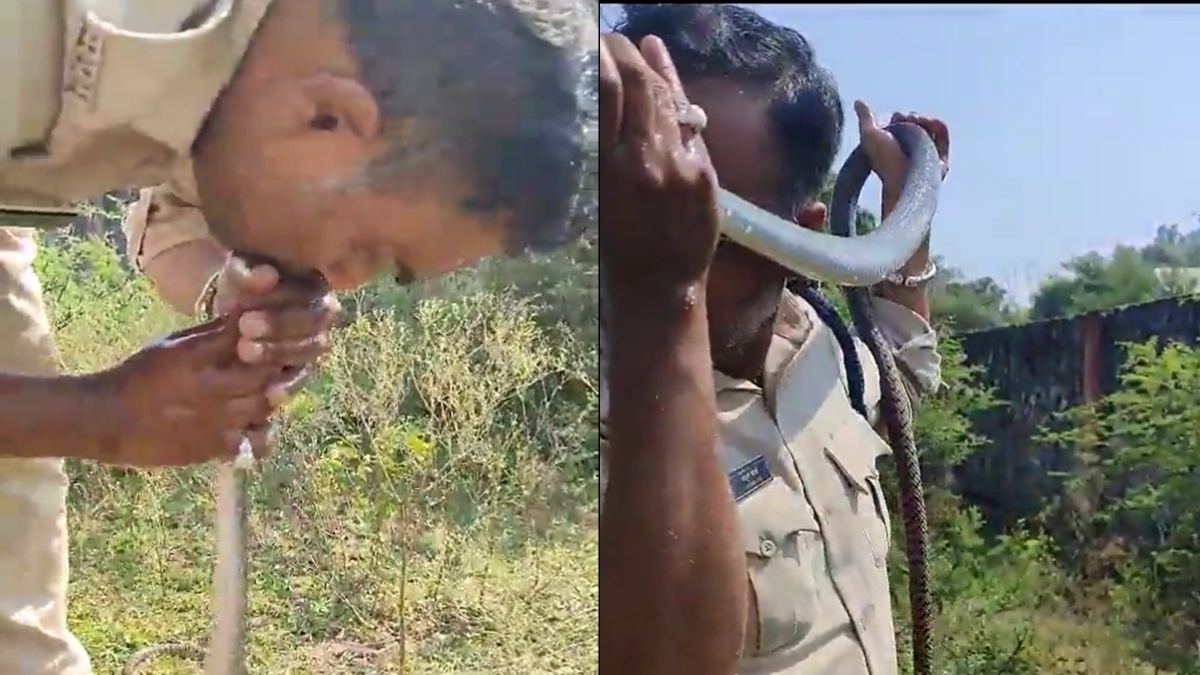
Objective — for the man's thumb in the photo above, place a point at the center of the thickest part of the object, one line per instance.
(866, 119)
(247, 280)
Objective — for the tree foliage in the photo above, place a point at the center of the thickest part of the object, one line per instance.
(1139, 524)
(1166, 267)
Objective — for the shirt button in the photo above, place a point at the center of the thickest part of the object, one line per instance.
(766, 547)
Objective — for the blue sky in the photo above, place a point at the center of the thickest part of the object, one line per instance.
(1074, 128)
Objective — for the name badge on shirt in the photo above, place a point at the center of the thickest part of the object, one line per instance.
(749, 478)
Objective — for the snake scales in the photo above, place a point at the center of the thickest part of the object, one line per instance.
(856, 263)
(895, 405)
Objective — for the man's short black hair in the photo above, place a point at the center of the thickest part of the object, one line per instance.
(495, 86)
(728, 41)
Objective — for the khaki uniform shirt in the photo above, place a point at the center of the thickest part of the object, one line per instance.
(95, 95)
(814, 524)
(164, 217)
(99, 95)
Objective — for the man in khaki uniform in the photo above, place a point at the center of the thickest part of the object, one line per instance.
(343, 137)
(799, 450)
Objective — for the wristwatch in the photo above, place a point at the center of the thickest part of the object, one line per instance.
(921, 278)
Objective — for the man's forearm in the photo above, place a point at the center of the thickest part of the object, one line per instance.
(170, 242)
(180, 273)
(672, 577)
(52, 417)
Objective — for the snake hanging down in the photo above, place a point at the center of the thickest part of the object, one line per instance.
(856, 263)
(225, 652)
(895, 405)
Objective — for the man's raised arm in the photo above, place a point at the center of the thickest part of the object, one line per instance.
(672, 578)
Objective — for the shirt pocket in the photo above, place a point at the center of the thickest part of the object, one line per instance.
(854, 449)
(780, 537)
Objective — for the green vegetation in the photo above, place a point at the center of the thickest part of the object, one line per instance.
(432, 507)
(1167, 267)
(1039, 601)
(1116, 590)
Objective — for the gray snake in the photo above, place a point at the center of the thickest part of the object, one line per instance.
(895, 405)
(225, 653)
(856, 263)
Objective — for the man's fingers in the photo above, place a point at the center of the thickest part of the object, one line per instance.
(260, 440)
(285, 353)
(936, 129)
(654, 50)
(206, 330)
(289, 323)
(247, 411)
(288, 294)
(235, 381)
(290, 383)
(675, 100)
(941, 138)
(210, 342)
(866, 118)
(638, 111)
(611, 100)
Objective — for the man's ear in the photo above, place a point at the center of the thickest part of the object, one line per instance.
(811, 216)
(341, 104)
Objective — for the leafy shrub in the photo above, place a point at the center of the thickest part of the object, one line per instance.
(1139, 530)
(433, 496)
(430, 508)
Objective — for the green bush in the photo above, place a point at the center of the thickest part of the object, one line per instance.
(1136, 521)
(1004, 604)
(433, 498)
(431, 507)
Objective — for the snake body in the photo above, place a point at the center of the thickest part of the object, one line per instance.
(915, 214)
(846, 261)
(857, 262)
(225, 653)
(227, 648)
